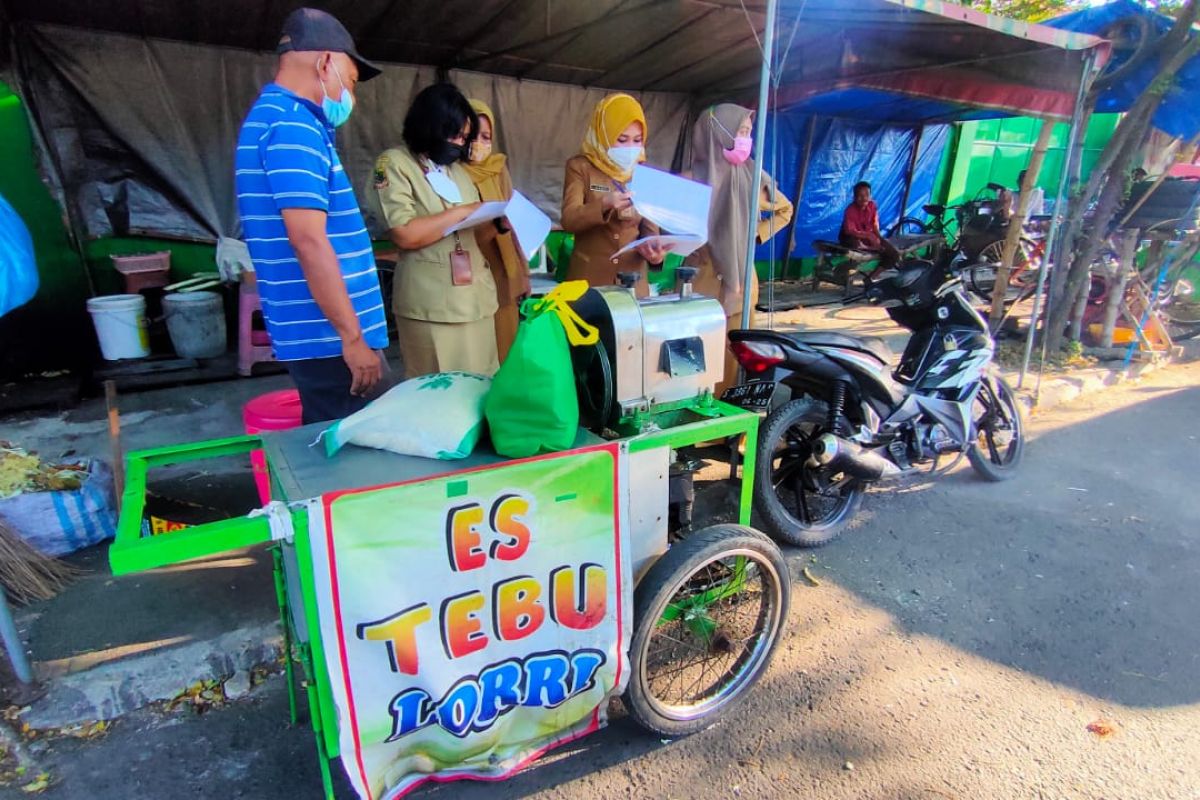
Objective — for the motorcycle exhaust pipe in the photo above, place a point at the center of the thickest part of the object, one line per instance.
(843, 455)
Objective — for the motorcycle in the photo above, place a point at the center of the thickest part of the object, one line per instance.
(839, 420)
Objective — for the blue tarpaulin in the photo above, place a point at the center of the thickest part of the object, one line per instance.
(873, 73)
(1179, 114)
(845, 152)
(18, 265)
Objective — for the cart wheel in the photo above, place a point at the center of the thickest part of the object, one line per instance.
(707, 617)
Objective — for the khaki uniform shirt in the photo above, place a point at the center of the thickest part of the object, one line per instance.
(599, 233)
(423, 289)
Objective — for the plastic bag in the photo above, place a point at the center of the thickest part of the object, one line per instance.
(433, 416)
(58, 523)
(18, 266)
(533, 407)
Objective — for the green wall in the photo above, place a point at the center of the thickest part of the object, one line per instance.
(997, 150)
(46, 333)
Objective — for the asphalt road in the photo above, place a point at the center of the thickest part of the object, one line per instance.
(962, 639)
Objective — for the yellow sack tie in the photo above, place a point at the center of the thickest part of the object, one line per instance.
(558, 300)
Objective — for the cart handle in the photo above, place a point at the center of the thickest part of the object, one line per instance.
(132, 552)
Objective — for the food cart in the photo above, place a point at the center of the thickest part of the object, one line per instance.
(456, 619)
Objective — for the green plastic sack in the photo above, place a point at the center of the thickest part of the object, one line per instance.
(533, 407)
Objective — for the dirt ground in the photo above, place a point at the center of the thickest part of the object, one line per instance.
(963, 638)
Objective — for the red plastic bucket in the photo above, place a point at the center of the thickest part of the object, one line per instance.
(273, 411)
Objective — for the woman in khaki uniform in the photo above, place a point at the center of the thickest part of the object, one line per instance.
(489, 170)
(721, 158)
(443, 294)
(596, 205)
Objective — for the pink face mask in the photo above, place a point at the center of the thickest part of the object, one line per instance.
(741, 150)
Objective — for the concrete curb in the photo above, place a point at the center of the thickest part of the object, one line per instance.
(112, 689)
(1057, 390)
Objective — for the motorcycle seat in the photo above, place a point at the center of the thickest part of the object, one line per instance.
(864, 344)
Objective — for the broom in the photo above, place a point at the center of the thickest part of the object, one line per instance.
(28, 574)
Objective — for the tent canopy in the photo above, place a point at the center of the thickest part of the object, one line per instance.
(1179, 114)
(923, 61)
(706, 48)
(139, 101)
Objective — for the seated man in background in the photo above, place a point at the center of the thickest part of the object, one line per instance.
(1037, 199)
(860, 227)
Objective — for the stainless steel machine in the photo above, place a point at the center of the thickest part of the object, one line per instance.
(652, 353)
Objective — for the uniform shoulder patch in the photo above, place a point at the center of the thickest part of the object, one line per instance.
(380, 175)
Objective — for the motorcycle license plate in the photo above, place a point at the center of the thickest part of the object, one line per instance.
(753, 395)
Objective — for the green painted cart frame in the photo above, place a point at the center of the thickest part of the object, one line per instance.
(668, 426)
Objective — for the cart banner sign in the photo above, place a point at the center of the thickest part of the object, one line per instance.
(472, 621)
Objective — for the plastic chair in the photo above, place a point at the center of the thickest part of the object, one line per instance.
(273, 411)
(254, 344)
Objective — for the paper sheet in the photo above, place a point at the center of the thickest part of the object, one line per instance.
(681, 244)
(485, 213)
(675, 204)
(530, 226)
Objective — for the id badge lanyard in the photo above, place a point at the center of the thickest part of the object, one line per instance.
(460, 260)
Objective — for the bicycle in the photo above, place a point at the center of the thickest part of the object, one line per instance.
(975, 234)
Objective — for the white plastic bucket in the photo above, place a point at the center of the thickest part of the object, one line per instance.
(196, 322)
(120, 321)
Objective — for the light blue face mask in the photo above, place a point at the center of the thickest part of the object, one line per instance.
(336, 111)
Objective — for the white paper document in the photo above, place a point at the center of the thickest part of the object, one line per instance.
(487, 212)
(675, 204)
(530, 226)
(681, 244)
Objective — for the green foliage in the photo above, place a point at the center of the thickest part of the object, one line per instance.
(1025, 10)
(1042, 10)
(1169, 7)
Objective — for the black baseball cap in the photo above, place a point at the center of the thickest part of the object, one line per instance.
(308, 29)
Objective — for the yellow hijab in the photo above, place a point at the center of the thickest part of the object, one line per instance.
(612, 116)
(493, 165)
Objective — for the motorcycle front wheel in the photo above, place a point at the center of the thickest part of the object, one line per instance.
(801, 505)
(999, 432)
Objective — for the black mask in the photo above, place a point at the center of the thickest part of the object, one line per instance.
(446, 153)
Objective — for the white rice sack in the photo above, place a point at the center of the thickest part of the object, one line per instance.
(433, 416)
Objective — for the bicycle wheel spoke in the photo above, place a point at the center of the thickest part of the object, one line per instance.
(693, 662)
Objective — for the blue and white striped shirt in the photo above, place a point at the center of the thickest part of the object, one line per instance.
(286, 159)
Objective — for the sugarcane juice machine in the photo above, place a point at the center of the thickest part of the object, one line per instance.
(647, 385)
(654, 368)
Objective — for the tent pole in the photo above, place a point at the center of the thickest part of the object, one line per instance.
(1053, 246)
(912, 171)
(801, 180)
(760, 135)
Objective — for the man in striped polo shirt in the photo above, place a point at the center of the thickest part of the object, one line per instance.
(311, 251)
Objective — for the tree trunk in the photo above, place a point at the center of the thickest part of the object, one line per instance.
(1085, 253)
(1069, 275)
(1016, 222)
(1116, 283)
(1078, 309)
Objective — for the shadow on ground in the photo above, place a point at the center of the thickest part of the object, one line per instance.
(1081, 571)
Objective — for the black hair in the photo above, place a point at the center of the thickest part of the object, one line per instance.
(1021, 177)
(861, 185)
(437, 115)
